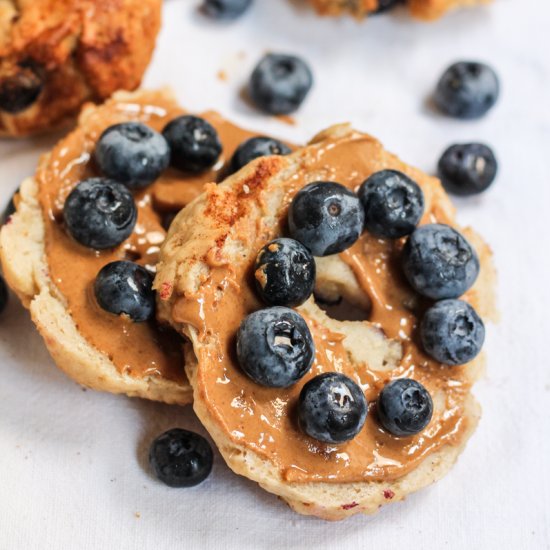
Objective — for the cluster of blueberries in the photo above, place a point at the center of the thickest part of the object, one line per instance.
(100, 212)
(274, 345)
(466, 90)
(280, 83)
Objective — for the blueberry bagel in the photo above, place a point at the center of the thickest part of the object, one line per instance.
(293, 394)
(81, 248)
(57, 54)
(422, 9)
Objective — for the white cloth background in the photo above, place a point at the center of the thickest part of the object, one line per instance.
(73, 463)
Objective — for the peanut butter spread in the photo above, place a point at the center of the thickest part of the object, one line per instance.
(137, 349)
(261, 419)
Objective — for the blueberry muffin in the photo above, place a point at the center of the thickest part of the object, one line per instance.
(57, 54)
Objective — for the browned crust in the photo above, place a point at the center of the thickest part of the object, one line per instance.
(86, 50)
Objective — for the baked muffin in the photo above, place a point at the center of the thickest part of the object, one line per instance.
(422, 9)
(57, 54)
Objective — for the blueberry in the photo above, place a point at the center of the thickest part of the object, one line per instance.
(452, 332)
(257, 147)
(439, 262)
(100, 213)
(3, 294)
(194, 143)
(326, 217)
(181, 458)
(285, 273)
(275, 347)
(467, 90)
(332, 408)
(225, 9)
(20, 87)
(386, 5)
(393, 204)
(125, 287)
(132, 153)
(280, 83)
(404, 407)
(467, 168)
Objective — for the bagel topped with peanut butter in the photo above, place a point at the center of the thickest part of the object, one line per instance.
(57, 54)
(81, 248)
(332, 310)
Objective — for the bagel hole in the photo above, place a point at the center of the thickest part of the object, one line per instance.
(341, 309)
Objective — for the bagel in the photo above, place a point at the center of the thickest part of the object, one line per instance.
(57, 54)
(52, 274)
(421, 9)
(205, 287)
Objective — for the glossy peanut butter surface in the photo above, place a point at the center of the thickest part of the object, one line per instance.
(137, 349)
(263, 420)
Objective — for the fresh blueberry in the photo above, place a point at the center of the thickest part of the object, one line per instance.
(280, 83)
(326, 217)
(100, 213)
(225, 9)
(3, 294)
(20, 87)
(194, 143)
(132, 153)
(284, 273)
(386, 5)
(439, 262)
(123, 287)
(180, 458)
(332, 408)
(9, 210)
(467, 90)
(275, 347)
(467, 168)
(404, 407)
(393, 204)
(452, 332)
(257, 147)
